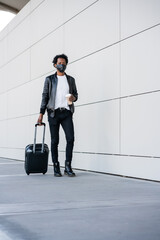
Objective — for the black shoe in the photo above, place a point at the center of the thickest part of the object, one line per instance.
(68, 170)
(57, 171)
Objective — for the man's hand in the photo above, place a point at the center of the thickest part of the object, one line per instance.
(40, 119)
(72, 98)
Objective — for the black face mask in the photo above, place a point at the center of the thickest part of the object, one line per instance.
(61, 67)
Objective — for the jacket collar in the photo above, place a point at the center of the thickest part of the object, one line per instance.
(55, 77)
(55, 74)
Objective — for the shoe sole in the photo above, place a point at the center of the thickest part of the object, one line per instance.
(57, 175)
(69, 175)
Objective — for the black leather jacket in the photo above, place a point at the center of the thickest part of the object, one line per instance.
(49, 93)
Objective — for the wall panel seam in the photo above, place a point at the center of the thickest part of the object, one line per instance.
(112, 44)
(156, 25)
(118, 98)
(114, 154)
(35, 9)
(97, 153)
(68, 64)
(22, 20)
(61, 25)
(88, 104)
(24, 116)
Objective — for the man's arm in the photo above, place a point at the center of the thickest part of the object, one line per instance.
(44, 102)
(45, 96)
(40, 119)
(74, 95)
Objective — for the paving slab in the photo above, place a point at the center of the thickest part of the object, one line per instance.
(89, 206)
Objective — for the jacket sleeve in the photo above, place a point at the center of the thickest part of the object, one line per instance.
(45, 96)
(75, 93)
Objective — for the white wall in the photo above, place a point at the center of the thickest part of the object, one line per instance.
(113, 49)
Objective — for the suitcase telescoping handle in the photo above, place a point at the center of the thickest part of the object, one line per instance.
(35, 135)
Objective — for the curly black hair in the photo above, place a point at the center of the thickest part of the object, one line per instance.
(59, 56)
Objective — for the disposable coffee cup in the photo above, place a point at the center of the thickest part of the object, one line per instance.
(68, 101)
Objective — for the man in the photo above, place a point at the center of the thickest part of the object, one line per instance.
(60, 111)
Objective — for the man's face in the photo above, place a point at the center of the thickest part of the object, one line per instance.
(60, 61)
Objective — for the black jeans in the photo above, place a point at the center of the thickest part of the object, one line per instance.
(63, 118)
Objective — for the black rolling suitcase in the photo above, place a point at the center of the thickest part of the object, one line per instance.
(36, 155)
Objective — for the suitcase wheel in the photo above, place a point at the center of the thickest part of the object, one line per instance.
(44, 173)
(28, 173)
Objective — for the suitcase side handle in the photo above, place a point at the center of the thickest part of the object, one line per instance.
(35, 135)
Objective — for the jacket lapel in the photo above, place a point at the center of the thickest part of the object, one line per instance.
(54, 83)
(69, 83)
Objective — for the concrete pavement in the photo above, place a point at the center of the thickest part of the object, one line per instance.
(90, 206)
